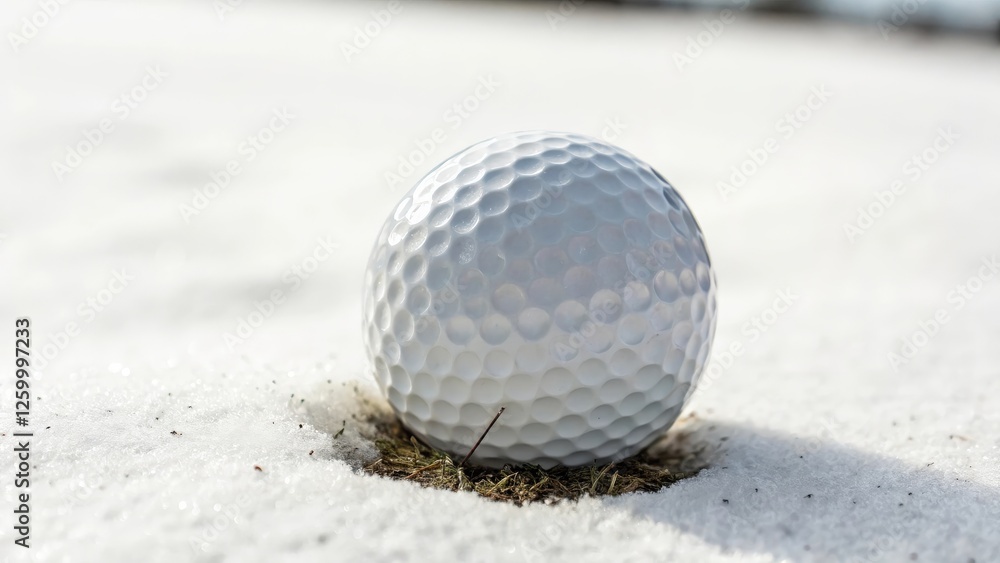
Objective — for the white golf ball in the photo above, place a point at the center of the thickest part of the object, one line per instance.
(551, 274)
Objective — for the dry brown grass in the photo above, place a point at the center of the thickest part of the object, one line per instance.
(404, 457)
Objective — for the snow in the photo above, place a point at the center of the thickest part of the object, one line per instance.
(149, 427)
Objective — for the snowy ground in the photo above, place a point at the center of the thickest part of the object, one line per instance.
(149, 419)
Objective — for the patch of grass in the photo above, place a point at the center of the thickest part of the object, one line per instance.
(402, 456)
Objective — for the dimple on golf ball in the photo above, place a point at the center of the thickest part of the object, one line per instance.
(551, 274)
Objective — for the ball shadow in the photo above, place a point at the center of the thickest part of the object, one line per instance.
(795, 498)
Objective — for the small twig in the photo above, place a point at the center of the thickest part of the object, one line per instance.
(422, 469)
(614, 478)
(480, 440)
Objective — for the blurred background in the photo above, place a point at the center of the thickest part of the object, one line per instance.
(207, 146)
(190, 190)
(966, 16)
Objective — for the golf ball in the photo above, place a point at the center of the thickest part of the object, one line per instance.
(551, 274)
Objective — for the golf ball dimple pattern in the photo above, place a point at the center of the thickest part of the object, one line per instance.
(551, 274)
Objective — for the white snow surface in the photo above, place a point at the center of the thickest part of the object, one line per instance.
(148, 427)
